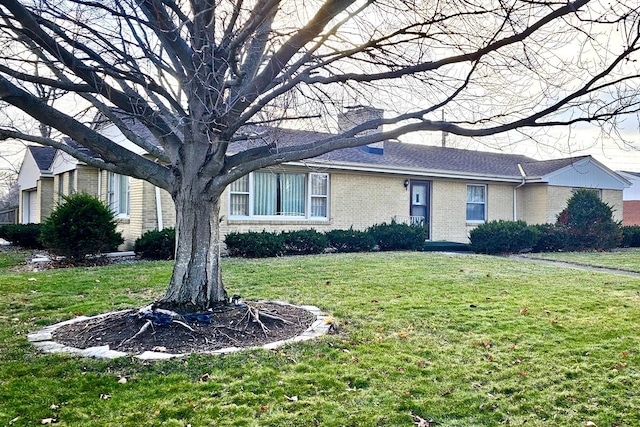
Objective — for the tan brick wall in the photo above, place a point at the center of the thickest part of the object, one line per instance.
(360, 200)
(448, 211)
(87, 180)
(356, 200)
(532, 203)
(45, 198)
(557, 201)
(614, 199)
(500, 202)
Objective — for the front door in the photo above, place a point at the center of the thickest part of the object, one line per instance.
(420, 198)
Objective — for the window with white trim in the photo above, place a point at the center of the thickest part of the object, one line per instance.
(476, 203)
(72, 181)
(118, 193)
(280, 195)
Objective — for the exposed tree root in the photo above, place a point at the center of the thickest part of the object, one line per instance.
(147, 325)
(238, 324)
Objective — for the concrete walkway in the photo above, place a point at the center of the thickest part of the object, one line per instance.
(576, 266)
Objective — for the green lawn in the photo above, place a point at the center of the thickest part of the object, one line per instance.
(623, 259)
(464, 340)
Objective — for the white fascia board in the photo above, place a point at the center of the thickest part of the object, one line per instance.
(63, 162)
(408, 171)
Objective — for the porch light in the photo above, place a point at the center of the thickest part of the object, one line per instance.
(406, 183)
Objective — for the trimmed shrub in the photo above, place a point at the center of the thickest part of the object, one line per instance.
(590, 222)
(553, 238)
(255, 245)
(397, 237)
(24, 235)
(350, 240)
(82, 225)
(630, 236)
(304, 242)
(502, 237)
(158, 245)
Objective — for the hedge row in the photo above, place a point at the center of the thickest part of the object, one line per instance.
(586, 224)
(386, 237)
(24, 235)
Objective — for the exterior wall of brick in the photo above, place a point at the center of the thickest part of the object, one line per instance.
(356, 200)
(614, 199)
(557, 202)
(448, 211)
(87, 180)
(500, 202)
(631, 212)
(532, 203)
(45, 195)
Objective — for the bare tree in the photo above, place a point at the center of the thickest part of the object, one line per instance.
(8, 190)
(197, 73)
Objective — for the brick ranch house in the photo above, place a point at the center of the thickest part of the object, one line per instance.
(449, 191)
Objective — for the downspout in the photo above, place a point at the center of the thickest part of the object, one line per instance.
(99, 184)
(515, 191)
(159, 209)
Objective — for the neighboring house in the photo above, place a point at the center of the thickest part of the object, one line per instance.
(631, 198)
(449, 191)
(35, 181)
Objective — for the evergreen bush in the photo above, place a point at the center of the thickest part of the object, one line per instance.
(397, 237)
(304, 242)
(350, 240)
(552, 238)
(255, 245)
(503, 237)
(82, 225)
(590, 222)
(630, 236)
(157, 245)
(23, 235)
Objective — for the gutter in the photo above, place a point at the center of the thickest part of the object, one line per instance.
(515, 191)
(159, 209)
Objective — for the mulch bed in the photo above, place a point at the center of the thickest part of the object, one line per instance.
(229, 328)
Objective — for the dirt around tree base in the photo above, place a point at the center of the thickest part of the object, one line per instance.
(234, 327)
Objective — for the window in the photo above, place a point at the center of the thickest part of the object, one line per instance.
(60, 188)
(118, 194)
(319, 195)
(271, 194)
(239, 197)
(476, 203)
(72, 182)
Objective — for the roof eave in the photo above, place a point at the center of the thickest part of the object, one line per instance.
(433, 173)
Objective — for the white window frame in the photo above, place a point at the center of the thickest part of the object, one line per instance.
(242, 194)
(72, 181)
(484, 204)
(121, 208)
(60, 188)
(308, 200)
(312, 196)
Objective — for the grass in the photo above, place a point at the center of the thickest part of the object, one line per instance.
(465, 340)
(623, 259)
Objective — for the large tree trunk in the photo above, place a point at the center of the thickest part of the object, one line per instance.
(196, 283)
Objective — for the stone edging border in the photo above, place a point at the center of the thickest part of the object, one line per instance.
(43, 339)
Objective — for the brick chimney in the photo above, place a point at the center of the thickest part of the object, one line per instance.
(356, 115)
